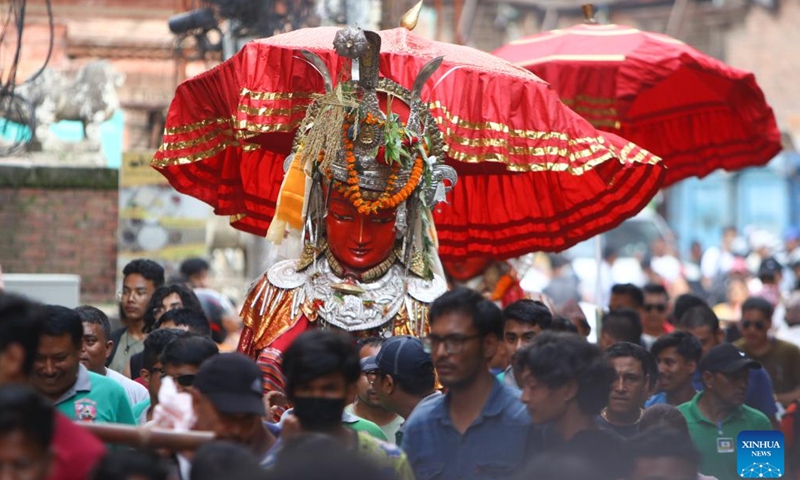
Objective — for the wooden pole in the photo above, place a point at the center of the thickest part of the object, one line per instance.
(143, 437)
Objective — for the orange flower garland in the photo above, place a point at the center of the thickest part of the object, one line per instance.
(502, 287)
(351, 190)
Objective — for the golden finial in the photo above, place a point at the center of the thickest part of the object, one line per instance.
(588, 13)
(410, 18)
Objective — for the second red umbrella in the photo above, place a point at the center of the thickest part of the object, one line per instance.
(694, 111)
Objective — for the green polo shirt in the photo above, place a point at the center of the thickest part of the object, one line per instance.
(95, 398)
(717, 443)
(358, 424)
(140, 411)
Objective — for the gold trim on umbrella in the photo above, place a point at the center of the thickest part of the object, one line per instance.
(571, 58)
(182, 145)
(193, 126)
(275, 96)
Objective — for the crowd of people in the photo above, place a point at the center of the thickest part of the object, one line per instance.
(488, 393)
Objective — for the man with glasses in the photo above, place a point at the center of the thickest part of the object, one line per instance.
(718, 414)
(780, 358)
(183, 356)
(654, 314)
(141, 277)
(479, 429)
(366, 404)
(153, 370)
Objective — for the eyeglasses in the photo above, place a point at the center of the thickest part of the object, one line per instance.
(453, 344)
(162, 373)
(372, 375)
(757, 324)
(659, 307)
(139, 294)
(185, 380)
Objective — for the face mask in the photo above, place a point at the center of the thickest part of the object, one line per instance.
(318, 414)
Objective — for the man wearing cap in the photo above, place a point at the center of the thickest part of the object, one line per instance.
(703, 324)
(366, 405)
(403, 377)
(227, 399)
(717, 414)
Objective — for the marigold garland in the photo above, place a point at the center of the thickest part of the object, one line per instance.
(502, 287)
(351, 189)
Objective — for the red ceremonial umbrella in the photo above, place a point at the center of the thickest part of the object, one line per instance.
(694, 111)
(533, 175)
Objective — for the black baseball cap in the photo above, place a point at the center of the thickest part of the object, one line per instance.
(726, 358)
(769, 267)
(232, 382)
(403, 356)
(368, 364)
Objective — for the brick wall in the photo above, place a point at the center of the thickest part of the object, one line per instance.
(769, 46)
(61, 220)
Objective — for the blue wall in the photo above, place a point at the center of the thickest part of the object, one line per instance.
(111, 133)
(766, 198)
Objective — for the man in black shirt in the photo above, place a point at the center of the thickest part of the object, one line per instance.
(634, 381)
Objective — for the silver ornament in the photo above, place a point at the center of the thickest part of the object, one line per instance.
(350, 42)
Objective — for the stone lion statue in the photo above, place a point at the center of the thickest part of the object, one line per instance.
(90, 97)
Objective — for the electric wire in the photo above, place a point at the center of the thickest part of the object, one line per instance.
(18, 111)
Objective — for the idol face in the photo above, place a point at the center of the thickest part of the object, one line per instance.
(359, 242)
(464, 269)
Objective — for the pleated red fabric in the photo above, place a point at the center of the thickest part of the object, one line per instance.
(533, 175)
(694, 111)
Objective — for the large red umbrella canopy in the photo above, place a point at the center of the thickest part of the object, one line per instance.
(694, 111)
(533, 175)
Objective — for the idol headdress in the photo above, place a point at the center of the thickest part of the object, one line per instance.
(348, 143)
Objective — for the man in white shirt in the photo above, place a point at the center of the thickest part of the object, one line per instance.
(97, 346)
(717, 261)
(790, 327)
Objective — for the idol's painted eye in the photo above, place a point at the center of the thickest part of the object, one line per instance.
(382, 220)
(342, 218)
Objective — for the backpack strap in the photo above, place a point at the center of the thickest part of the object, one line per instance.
(116, 336)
